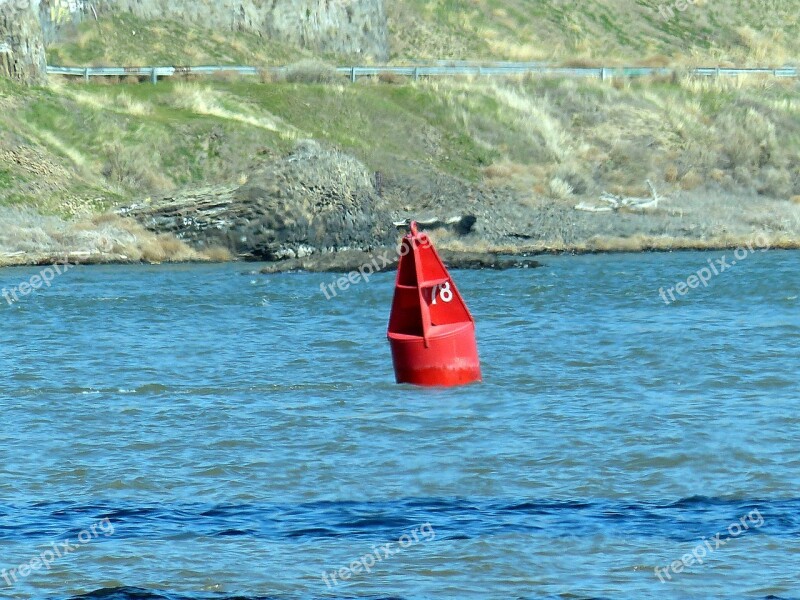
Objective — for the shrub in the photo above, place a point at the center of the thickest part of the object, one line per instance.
(134, 107)
(131, 169)
(227, 76)
(310, 71)
(266, 76)
(558, 189)
(390, 78)
(218, 254)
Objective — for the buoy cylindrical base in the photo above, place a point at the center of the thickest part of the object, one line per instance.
(450, 359)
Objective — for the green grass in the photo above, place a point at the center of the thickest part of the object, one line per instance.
(138, 139)
(615, 31)
(6, 178)
(96, 145)
(612, 32)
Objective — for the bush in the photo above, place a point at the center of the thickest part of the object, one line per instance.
(558, 189)
(131, 169)
(309, 71)
(390, 77)
(227, 76)
(266, 76)
(218, 254)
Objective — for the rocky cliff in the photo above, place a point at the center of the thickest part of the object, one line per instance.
(21, 45)
(350, 27)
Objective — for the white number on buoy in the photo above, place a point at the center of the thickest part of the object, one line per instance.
(446, 293)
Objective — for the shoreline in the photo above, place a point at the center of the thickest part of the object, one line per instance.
(343, 262)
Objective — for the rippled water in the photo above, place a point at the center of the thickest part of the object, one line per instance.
(236, 434)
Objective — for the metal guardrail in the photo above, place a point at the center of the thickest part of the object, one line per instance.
(416, 72)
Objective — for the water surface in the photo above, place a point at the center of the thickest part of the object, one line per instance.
(242, 435)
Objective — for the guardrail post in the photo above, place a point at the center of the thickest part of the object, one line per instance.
(716, 72)
(86, 74)
(153, 76)
(353, 76)
(416, 73)
(603, 74)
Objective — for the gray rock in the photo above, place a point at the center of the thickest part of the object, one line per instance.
(22, 54)
(352, 27)
(313, 201)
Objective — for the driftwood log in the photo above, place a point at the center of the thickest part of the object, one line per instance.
(614, 203)
(460, 225)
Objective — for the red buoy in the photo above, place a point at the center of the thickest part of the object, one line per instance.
(431, 331)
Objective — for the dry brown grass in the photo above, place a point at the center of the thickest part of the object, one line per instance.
(671, 174)
(391, 78)
(585, 63)
(218, 254)
(558, 189)
(228, 76)
(133, 107)
(266, 76)
(597, 31)
(103, 238)
(658, 60)
(504, 172)
(691, 180)
(312, 71)
(206, 100)
(650, 243)
(685, 135)
(135, 168)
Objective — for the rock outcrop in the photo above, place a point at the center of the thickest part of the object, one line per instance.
(21, 45)
(358, 28)
(313, 201)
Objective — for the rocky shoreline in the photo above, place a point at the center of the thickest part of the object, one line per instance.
(347, 261)
(319, 209)
(386, 260)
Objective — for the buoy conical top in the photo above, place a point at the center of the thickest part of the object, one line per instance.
(431, 332)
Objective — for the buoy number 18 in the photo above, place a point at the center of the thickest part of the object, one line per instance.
(443, 291)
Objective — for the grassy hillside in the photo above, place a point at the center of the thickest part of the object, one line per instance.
(624, 31)
(95, 144)
(126, 40)
(741, 32)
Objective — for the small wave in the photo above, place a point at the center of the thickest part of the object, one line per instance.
(133, 593)
(453, 518)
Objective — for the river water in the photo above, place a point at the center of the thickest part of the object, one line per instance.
(207, 432)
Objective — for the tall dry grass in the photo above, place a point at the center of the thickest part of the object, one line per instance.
(205, 100)
(312, 71)
(589, 136)
(102, 238)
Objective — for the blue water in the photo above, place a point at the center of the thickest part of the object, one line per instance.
(229, 434)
